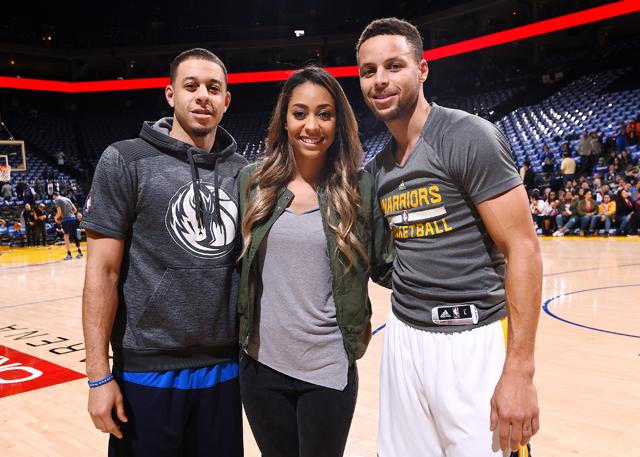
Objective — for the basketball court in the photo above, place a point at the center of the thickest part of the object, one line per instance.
(588, 355)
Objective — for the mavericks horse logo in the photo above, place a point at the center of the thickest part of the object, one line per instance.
(214, 239)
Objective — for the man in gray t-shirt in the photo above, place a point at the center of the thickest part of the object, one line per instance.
(66, 217)
(459, 214)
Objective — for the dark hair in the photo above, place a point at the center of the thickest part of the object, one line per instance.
(195, 53)
(393, 26)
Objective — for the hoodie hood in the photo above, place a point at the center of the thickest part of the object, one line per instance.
(158, 135)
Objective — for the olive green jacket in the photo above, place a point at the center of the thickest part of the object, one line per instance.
(349, 286)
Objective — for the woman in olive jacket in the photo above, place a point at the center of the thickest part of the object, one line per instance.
(313, 235)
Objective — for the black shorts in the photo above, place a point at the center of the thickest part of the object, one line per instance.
(69, 226)
(168, 422)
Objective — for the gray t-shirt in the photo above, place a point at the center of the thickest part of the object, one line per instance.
(65, 206)
(297, 333)
(444, 255)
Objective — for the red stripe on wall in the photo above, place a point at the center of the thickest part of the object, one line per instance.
(588, 16)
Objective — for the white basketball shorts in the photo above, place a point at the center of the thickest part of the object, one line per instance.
(435, 391)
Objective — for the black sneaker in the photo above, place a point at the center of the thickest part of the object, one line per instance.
(79, 256)
(68, 257)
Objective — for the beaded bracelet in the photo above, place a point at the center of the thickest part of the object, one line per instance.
(101, 382)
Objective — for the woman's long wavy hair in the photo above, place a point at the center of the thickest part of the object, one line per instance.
(339, 178)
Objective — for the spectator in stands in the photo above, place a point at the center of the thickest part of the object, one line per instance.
(587, 209)
(60, 158)
(618, 183)
(63, 187)
(567, 166)
(612, 174)
(39, 190)
(567, 217)
(29, 219)
(601, 192)
(535, 206)
(29, 195)
(76, 195)
(631, 126)
(602, 167)
(623, 159)
(21, 186)
(50, 189)
(618, 164)
(528, 176)
(39, 230)
(620, 138)
(596, 183)
(625, 213)
(634, 193)
(547, 166)
(631, 138)
(546, 153)
(59, 232)
(571, 185)
(584, 151)
(549, 212)
(606, 213)
(596, 146)
(47, 174)
(6, 192)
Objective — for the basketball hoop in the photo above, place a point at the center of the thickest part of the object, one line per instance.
(5, 173)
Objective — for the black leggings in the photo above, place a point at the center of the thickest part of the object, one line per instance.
(293, 418)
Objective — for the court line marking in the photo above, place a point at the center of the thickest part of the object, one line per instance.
(592, 269)
(29, 265)
(379, 329)
(40, 302)
(545, 307)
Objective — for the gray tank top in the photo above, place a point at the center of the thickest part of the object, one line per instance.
(297, 332)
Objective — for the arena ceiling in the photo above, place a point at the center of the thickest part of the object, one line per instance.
(138, 39)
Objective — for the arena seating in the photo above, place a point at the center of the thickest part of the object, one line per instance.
(49, 134)
(582, 105)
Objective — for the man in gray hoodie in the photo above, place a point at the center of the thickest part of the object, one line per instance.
(160, 284)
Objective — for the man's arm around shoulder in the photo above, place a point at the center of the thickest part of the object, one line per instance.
(514, 405)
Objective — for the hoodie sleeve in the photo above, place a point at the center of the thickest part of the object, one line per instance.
(109, 207)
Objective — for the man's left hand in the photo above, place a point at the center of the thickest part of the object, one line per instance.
(514, 410)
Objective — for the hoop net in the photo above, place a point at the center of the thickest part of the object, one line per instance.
(5, 173)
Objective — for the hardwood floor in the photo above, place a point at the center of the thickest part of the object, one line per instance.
(588, 355)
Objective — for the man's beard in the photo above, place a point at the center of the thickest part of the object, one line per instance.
(403, 108)
(200, 132)
(197, 131)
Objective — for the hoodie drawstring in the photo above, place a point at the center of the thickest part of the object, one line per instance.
(216, 209)
(195, 179)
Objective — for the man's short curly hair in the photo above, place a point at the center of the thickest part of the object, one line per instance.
(393, 26)
(195, 53)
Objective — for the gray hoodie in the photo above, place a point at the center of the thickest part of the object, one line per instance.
(176, 206)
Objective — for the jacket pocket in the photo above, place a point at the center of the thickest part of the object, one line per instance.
(191, 307)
